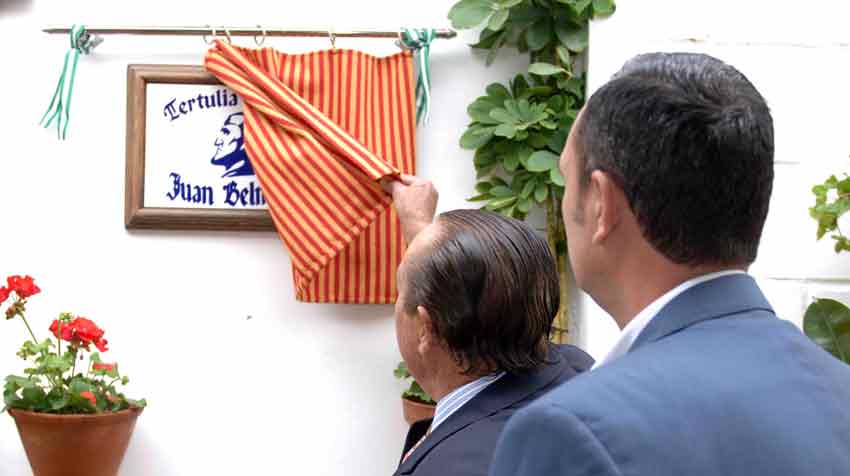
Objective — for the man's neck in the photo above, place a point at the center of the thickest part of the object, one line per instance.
(448, 381)
(644, 288)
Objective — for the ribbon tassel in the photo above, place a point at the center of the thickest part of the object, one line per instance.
(419, 40)
(60, 105)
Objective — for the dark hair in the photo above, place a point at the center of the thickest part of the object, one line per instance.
(690, 141)
(490, 286)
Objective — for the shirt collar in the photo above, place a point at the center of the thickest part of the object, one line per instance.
(460, 396)
(642, 319)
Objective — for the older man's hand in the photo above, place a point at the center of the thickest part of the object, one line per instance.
(415, 200)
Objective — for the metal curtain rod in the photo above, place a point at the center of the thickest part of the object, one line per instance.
(237, 31)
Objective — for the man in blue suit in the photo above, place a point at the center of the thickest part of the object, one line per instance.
(669, 171)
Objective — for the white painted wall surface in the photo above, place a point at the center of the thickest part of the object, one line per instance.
(306, 388)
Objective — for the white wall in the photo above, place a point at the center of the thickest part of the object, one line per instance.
(307, 389)
(798, 57)
(297, 389)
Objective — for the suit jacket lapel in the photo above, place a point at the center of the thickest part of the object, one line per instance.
(503, 393)
(713, 299)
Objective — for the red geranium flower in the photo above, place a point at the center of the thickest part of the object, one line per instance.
(89, 396)
(87, 331)
(101, 345)
(103, 366)
(67, 330)
(4, 293)
(24, 287)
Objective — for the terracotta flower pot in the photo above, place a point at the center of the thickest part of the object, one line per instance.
(415, 411)
(72, 445)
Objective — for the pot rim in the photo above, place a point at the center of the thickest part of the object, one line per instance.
(26, 415)
(418, 403)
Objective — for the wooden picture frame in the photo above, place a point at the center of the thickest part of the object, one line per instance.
(136, 214)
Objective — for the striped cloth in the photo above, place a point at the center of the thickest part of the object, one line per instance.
(459, 397)
(320, 130)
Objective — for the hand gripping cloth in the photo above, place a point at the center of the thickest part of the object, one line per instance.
(321, 129)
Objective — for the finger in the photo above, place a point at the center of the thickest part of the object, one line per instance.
(386, 184)
(408, 179)
(392, 187)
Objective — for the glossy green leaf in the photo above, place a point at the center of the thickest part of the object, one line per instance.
(487, 39)
(511, 163)
(470, 13)
(603, 7)
(505, 116)
(524, 205)
(558, 140)
(556, 177)
(479, 111)
(498, 92)
(501, 191)
(501, 203)
(579, 6)
(483, 186)
(541, 161)
(563, 54)
(483, 197)
(827, 322)
(497, 21)
(476, 136)
(506, 130)
(539, 34)
(519, 85)
(528, 189)
(541, 193)
(571, 36)
(545, 69)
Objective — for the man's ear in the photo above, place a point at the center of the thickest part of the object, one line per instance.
(424, 330)
(608, 202)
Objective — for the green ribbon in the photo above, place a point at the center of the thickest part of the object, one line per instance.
(419, 40)
(60, 106)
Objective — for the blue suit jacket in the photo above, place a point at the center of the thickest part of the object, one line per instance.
(463, 444)
(715, 385)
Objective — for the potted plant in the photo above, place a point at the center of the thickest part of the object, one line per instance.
(70, 416)
(416, 404)
(827, 321)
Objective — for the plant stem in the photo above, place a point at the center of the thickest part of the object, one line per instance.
(555, 231)
(34, 340)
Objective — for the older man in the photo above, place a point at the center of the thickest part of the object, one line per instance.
(477, 294)
(669, 173)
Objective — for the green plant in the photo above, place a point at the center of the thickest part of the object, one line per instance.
(827, 321)
(414, 391)
(54, 384)
(519, 129)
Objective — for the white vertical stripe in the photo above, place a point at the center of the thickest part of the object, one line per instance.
(460, 396)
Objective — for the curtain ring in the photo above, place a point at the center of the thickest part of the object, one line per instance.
(332, 37)
(260, 43)
(212, 29)
(227, 34)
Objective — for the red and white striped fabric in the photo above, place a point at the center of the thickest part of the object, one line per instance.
(320, 130)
